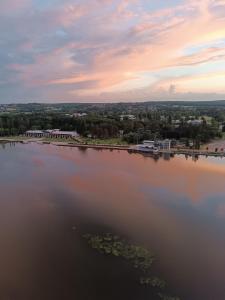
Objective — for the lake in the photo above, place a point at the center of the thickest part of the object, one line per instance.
(50, 196)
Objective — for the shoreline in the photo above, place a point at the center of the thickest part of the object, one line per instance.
(128, 148)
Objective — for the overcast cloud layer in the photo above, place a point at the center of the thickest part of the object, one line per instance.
(110, 50)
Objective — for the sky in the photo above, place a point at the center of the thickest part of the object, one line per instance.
(111, 50)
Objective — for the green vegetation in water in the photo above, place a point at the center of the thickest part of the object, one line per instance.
(153, 282)
(139, 257)
(165, 297)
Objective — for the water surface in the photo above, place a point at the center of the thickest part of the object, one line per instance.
(50, 196)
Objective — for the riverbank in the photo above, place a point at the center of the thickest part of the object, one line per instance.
(130, 148)
(218, 144)
(64, 143)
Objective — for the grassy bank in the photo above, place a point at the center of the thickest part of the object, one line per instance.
(80, 140)
(111, 141)
(14, 138)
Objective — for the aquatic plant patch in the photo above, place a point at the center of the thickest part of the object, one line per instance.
(138, 256)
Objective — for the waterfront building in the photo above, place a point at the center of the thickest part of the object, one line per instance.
(149, 143)
(154, 146)
(34, 133)
(55, 133)
(160, 144)
(163, 144)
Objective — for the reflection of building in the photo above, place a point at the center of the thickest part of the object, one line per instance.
(56, 133)
(166, 156)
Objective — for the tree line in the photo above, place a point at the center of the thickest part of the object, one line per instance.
(149, 125)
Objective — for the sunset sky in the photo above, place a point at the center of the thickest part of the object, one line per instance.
(111, 50)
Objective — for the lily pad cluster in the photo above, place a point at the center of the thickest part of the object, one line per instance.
(140, 258)
(153, 282)
(165, 297)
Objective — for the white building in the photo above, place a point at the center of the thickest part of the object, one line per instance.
(163, 145)
(129, 117)
(149, 143)
(34, 133)
(160, 144)
(195, 122)
(55, 133)
(79, 115)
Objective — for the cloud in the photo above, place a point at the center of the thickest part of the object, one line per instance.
(101, 48)
(13, 6)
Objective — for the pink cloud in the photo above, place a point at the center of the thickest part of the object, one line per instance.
(100, 52)
(11, 6)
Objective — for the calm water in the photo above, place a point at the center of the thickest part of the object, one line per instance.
(50, 195)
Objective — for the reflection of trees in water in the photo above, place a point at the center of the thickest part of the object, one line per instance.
(82, 150)
(155, 157)
(166, 156)
(195, 157)
(5, 144)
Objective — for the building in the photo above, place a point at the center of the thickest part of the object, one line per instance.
(176, 123)
(147, 147)
(35, 133)
(127, 117)
(149, 143)
(79, 115)
(163, 145)
(55, 133)
(195, 122)
(221, 127)
(160, 144)
(64, 134)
